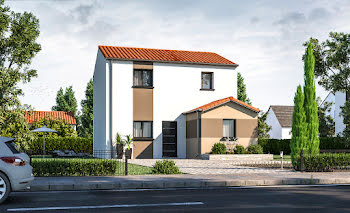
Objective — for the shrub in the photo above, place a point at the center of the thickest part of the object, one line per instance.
(165, 167)
(218, 148)
(76, 144)
(255, 149)
(325, 162)
(240, 150)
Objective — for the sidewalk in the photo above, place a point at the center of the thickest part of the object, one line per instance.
(187, 181)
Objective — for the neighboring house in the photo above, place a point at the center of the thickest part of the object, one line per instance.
(338, 99)
(67, 117)
(280, 119)
(148, 93)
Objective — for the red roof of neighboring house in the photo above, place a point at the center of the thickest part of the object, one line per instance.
(33, 116)
(223, 101)
(180, 56)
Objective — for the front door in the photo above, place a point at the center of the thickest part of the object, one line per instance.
(169, 132)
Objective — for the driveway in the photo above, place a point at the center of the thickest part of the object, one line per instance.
(193, 166)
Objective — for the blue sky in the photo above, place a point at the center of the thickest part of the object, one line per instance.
(264, 37)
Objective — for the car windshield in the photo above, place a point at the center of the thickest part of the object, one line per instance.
(13, 147)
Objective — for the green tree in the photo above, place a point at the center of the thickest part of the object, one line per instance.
(326, 123)
(310, 104)
(346, 116)
(263, 127)
(299, 135)
(18, 46)
(63, 129)
(241, 90)
(85, 128)
(66, 101)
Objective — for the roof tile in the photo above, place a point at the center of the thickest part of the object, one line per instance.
(33, 116)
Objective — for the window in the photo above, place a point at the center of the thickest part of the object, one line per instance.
(229, 129)
(12, 146)
(207, 81)
(143, 78)
(143, 129)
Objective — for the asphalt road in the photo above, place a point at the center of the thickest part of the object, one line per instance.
(275, 199)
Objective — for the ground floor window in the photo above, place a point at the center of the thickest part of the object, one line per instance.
(143, 129)
(229, 126)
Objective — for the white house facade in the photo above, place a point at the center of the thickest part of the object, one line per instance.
(145, 92)
(338, 100)
(280, 120)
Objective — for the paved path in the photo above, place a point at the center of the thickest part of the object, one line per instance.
(192, 166)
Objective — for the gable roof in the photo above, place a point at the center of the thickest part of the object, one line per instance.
(284, 114)
(161, 55)
(33, 116)
(223, 101)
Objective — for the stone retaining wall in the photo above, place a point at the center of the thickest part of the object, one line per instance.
(239, 157)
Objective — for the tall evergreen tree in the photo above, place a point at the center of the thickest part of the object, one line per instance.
(86, 119)
(310, 104)
(299, 135)
(66, 101)
(241, 90)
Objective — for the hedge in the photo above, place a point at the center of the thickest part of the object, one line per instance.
(76, 144)
(84, 167)
(325, 162)
(274, 146)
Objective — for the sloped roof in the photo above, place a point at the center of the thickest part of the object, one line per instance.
(284, 114)
(223, 101)
(33, 116)
(161, 55)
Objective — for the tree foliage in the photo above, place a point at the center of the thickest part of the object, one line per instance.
(326, 123)
(18, 46)
(63, 129)
(85, 128)
(299, 135)
(310, 104)
(346, 116)
(263, 127)
(66, 101)
(241, 90)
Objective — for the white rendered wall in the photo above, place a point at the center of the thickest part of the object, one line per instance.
(276, 129)
(100, 101)
(330, 99)
(177, 90)
(286, 133)
(338, 119)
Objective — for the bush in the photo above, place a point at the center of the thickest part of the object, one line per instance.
(240, 150)
(333, 143)
(325, 162)
(255, 149)
(218, 148)
(77, 144)
(165, 167)
(75, 167)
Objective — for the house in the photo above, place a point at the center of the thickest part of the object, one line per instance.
(338, 100)
(174, 103)
(34, 116)
(280, 119)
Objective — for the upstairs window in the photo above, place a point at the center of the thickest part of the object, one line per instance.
(207, 81)
(143, 78)
(229, 130)
(143, 129)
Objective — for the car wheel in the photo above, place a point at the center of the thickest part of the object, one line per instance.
(5, 187)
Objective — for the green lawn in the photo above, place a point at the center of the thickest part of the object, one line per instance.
(84, 167)
(285, 157)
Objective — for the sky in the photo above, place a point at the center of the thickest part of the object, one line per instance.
(264, 37)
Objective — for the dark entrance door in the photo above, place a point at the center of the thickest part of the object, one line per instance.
(169, 130)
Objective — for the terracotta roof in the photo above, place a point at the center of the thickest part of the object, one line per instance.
(179, 56)
(33, 116)
(284, 114)
(223, 101)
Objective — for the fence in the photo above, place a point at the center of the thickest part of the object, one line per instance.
(109, 160)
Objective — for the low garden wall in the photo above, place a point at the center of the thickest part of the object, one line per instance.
(238, 157)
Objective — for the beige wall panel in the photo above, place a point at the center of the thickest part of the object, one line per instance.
(143, 149)
(247, 141)
(212, 128)
(143, 104)
(207, 144)
(247, 128)
(230, 110)
(143, 65)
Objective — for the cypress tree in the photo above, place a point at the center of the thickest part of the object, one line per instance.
(299, 135)
(310, 104)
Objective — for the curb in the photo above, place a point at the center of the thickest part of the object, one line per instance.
(182, 184)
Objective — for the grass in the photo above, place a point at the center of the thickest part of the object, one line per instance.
(84, 167)
(278, 158)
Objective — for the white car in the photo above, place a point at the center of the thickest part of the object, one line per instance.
(15, 170)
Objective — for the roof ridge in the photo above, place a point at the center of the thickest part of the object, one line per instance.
(159, 49)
